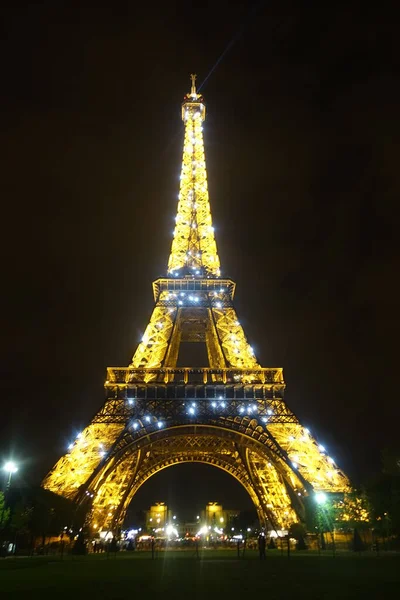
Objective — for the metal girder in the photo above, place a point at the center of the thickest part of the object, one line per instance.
(151, 350)
(85, 454)
(309, 458)
(237, 351)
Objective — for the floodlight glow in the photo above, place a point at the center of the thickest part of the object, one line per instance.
(170, 530)
(10, 467)
(320, 498)
(203, 530)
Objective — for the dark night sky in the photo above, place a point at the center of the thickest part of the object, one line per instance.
(302, 147)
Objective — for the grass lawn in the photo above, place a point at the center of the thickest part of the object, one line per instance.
(218, 574)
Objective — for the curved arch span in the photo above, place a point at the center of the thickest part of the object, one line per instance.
(149, 474)
(263, 474)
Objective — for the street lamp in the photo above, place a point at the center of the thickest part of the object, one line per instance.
(10, 467)
(322, 500)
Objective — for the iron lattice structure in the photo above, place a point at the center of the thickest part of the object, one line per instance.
(230, 414)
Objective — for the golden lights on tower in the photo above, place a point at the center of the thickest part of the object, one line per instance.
(254, 436)
(194, 249)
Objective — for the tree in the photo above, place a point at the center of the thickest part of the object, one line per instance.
(80, 545)
(21, 517)
(358, 544)
(384, 494)
(298, 532)
(320, 517)
(4, 512)
(354, 510)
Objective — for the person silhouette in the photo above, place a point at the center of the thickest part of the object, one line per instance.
(261, 546)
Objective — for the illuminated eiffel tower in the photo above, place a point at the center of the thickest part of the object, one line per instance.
(230, 414)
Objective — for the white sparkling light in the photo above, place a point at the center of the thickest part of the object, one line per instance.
(320, 498)
(10, 467)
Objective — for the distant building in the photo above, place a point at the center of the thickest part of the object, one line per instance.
(158, 516)
(215, 516)
(188, 529)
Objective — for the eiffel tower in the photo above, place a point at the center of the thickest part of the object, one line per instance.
(230, 414)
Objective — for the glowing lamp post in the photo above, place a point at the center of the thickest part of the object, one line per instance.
(10, 467)
(322, 500)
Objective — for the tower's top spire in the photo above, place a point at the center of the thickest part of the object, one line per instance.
(193, 90)
(194, 251)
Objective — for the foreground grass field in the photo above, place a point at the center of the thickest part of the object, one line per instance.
(216, 574)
